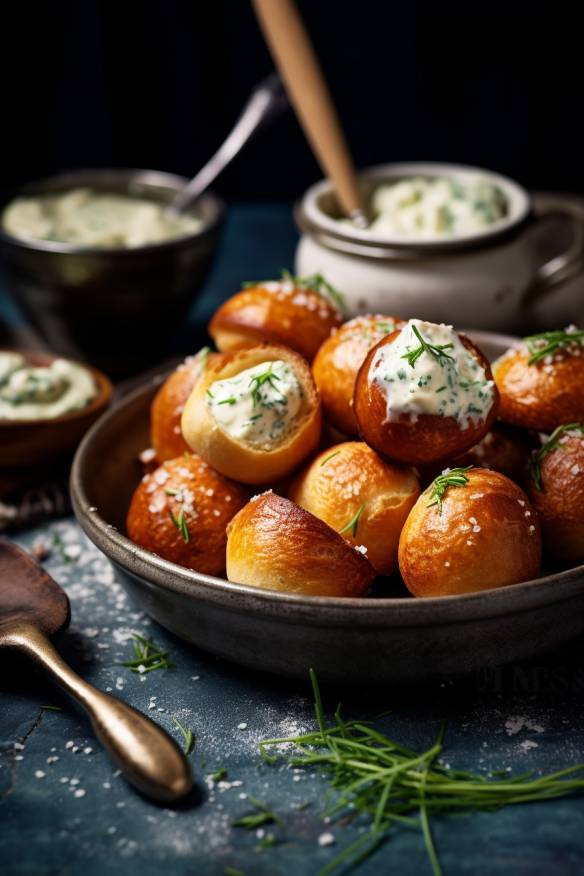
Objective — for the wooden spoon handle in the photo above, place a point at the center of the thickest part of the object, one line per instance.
(294, 55)
(146, 754)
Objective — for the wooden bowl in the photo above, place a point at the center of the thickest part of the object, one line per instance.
(26, 443)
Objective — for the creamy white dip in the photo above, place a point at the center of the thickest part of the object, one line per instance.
(94, 219)
(259, 405)
(28, 392)
(431, 207)
(443, 379)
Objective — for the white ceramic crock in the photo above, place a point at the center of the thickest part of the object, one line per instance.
(485, 280)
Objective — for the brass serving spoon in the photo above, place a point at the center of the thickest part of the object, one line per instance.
(33, 607)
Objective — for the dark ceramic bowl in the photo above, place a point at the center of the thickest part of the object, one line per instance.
(116, 308)
(375, 640)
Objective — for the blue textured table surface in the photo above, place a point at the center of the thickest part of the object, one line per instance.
(64, 810)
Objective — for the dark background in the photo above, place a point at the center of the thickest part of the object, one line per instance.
(158, 83)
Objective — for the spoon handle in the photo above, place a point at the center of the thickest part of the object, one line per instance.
(295, 57)
(146, 754)
(266, 101)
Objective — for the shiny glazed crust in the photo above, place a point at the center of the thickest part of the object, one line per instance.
(239, 460)
(337, 363)
(168, 404)
(293, 316)
(487, 536)
(274, 544)
(541, 396)
(427, 439)
(560, 502)
(351, 476)
(215, 500)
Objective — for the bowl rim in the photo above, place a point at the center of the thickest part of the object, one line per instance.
(313, 220)
(104, 395)
(315, 610)
(78, 178)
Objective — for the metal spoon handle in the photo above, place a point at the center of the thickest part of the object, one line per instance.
(267, 100)
(146, 754)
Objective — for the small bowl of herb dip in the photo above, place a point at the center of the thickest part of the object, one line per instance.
(46, 406)
(100, 267)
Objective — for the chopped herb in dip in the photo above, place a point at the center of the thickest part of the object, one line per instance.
(29, 392)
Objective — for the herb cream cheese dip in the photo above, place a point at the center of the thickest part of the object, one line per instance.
(259, 405)
(29, 392)
(432, 207)
(95, 219)
(428, 370)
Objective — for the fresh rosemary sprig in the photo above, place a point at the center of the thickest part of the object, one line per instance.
(454, 477)
(353, 523)
(434, 350)
(181, 524)
(219, 774)
(394, 786)
(263, 815)
(547, 343)
(553, 441)
(187, 735)
(147, 656)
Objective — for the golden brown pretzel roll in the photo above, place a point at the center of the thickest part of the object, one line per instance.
(470, 530)
(424, 394)
(274, 544)
(538, 389)
(557, 492)
(168, 403)
(180, 512)
(255, 414)
(361, 497)
(337, 363)
(278, 312)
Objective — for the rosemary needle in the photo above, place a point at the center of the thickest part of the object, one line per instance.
(393, 786)
(187, 735)
(147, 656)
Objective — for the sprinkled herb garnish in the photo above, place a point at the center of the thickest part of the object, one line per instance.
(259, 380)
(455, 477)
(353, 523)
(147, 656)
(330, 456)
(181, 524)
(266, 842)
(385, 327)
(61, 547)
(395, 786)
(553, 441)
(228, 401)
(221, 773)
(187, 735)
(434, 350)
(232, 871)
(171, 492)
(263, 815)
(316, 282)
(210, 394)
(547, 343)
(51, 708)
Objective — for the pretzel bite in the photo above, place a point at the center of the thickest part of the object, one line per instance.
(424, 394)
(338, 361)
(181, 511)
(472, 529)
(363, 498)
(292, 311)
(255, 414)
(168, 404)
(557, 492)
(274, 544)
(540, 381)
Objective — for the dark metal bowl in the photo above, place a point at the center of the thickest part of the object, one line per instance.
(116, 308)
(375, 640)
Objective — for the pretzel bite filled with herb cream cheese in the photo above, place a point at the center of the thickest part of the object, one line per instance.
(557, 492)
(274, 544)
(168, 405)
(255, 414)
(472, 529)
(541, 381)
(181, 510)
(299, 312)
(337, 364)
(362, 497)
(424, 394)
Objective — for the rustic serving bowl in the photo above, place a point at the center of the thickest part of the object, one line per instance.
(375, 640)
(25, 443)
